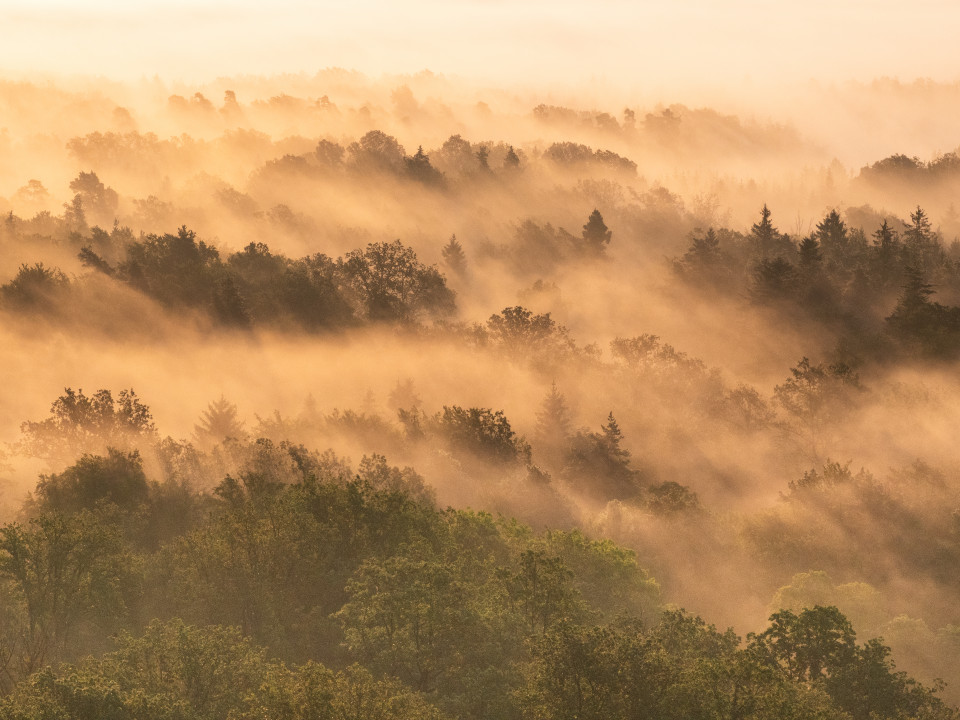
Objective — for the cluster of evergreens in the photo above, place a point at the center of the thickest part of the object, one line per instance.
(875, 291)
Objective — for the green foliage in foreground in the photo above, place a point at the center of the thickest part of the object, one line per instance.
(680, 668)
(324, 597)
(175, 672)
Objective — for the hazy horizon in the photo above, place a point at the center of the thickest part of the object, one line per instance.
(632, 46)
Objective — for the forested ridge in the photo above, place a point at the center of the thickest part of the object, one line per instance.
(624, 450)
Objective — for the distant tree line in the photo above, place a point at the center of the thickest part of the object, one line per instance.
(876, 291)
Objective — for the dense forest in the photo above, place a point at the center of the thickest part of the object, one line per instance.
(351, 398)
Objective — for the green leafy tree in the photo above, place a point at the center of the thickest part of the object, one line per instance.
(541, 591)
(810, 646)
(573, 675)
(410, 617)
(66, 572)
(116, 478)
(382, 477)
(817, 647)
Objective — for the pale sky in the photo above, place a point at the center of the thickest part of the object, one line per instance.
(684, 42)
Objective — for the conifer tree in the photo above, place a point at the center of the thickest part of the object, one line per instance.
(553, 430)
(595, 234)
(219, 422)
(454, 257)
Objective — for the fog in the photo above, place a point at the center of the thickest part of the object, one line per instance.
(326, 163)
(629, 45)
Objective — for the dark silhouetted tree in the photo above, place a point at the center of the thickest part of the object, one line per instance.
(483, 433)
(229, 307)
(511, 160)
(116, 478)
(377, 151)
(99, 201)
(595, 234)
(598, 466)
(34, 286)
(766, 239)
(775, 280)
(419, 168)
(391, 284)
(520, 332)
(831, 232)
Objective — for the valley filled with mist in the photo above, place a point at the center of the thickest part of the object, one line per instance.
(413, 396)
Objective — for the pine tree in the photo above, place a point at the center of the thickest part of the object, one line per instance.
(483, 155)
(512, 160)
(809, 260)
(613, 436)
(404, 396)
(918, 233)
(763, 233)
(595, 234)
(552, 433)
(229, 305)
(914, 296)
(219, 422)
(454, 257)
(886, 249)
(832, 234)
(419, 168)
(885, 238)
